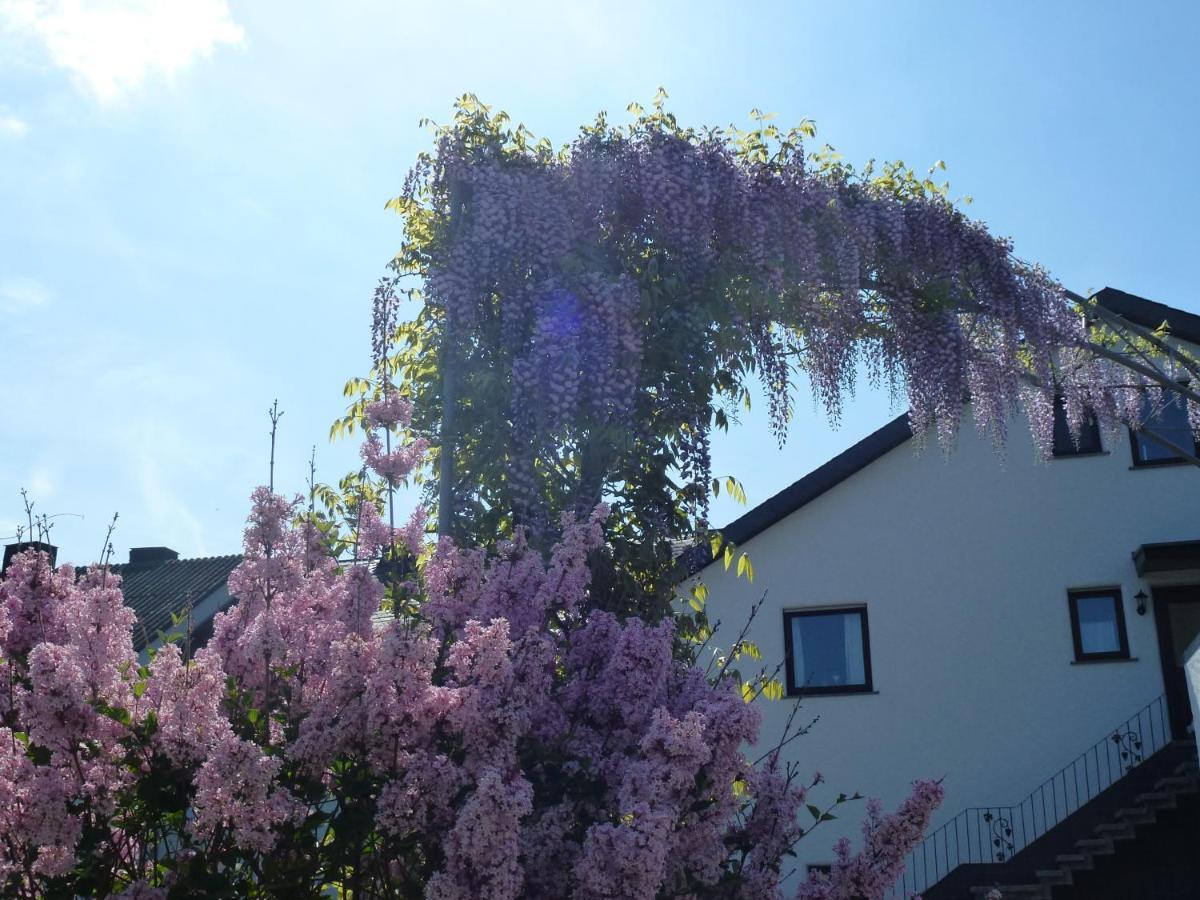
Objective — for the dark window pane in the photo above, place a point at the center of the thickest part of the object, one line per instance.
(1064, 444)
(827, 650)
(1171, 421)
(1098, 624)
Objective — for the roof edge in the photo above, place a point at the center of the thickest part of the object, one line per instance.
(809, 488)
(1151, 313)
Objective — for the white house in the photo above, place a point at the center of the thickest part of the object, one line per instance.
(1012, 625)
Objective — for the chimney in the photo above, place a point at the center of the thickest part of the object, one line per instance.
(12, 550)
(150, 557)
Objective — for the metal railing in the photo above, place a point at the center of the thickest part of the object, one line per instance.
(995, 834)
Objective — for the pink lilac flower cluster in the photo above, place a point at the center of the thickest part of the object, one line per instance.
(887, 840)
(510, 740)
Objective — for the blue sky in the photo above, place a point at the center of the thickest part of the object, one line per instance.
(191, 197)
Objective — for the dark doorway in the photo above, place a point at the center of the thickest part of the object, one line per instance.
(1177, 615)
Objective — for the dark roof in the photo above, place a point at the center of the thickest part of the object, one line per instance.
(156, 591)
(1151, 314)
(1146, 313)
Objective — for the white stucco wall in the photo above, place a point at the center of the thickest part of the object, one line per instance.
(964, 563)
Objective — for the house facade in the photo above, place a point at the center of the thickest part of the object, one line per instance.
(1012, 625)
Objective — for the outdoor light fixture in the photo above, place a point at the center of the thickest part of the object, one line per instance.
(1141, 599)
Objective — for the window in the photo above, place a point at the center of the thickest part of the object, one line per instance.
(828, 651)
(1098, 625)
(1064, 443)
(1171, 421)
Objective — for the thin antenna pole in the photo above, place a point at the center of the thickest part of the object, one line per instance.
(28, 511)
(275, 416)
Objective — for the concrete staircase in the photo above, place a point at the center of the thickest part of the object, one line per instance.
(1148, 847)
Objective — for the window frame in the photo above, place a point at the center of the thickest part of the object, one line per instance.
(1069, 450)
(1114, 593)
(794, 690)
(1172, 460)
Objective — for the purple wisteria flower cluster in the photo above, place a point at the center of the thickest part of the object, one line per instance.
(622, 283)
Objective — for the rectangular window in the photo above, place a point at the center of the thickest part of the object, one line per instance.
(828, 651)
(1171, 421)
(1064, 443)
(1098, 625)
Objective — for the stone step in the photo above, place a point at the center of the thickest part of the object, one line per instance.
(1178, 784)
(1155, 800)
(1053, 876)
(1116, 831)
(1074, 860)
(1097, 846)
(1188, 767)
(1015, 891)
(1136, 815)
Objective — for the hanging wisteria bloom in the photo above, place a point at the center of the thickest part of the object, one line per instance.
(605, 306)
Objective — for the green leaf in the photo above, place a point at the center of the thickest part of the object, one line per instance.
(744, 567)
(728, 556)
(735, 489)
(814, 811)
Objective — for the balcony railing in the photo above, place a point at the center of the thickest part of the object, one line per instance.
(995, 834)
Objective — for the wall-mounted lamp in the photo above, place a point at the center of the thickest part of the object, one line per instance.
(1141, 599)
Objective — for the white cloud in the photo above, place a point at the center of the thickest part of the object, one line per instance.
(18, 293)
(111, 46)
(12, 126)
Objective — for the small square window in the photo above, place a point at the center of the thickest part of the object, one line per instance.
(1170, 420)
(1064, 441)
(1098, 625)
(828, 651)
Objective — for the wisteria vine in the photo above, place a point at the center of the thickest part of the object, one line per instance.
(594, 311)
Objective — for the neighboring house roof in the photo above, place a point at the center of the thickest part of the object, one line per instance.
(1146, 313)
(158, 590)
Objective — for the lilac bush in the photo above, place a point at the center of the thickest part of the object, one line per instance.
(502, 737)
(507, 741)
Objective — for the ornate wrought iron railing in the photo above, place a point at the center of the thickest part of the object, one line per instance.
(995, 834)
